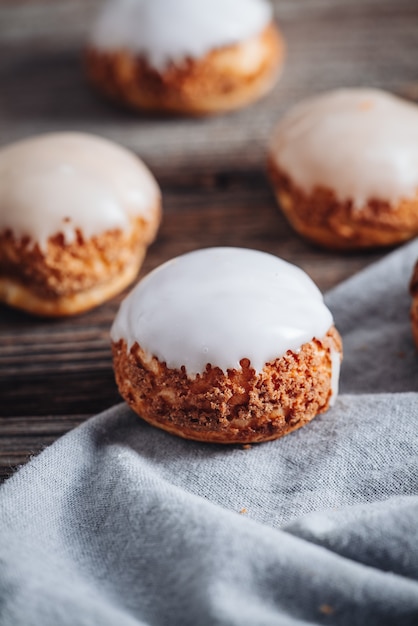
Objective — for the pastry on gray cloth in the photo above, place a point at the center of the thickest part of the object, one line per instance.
(119, 523)
(242, 350)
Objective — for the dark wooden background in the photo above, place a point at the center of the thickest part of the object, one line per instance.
(55, 374)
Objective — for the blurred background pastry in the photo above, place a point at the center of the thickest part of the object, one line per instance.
(77, 213)
(226, 345)
(184, 56)
(414, 306)
(344, 166)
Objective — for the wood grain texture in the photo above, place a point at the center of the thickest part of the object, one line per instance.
(55, 374)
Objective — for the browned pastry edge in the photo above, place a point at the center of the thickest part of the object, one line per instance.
(322, 218)
(69, 278)
(414, 305)
(240, 406)
(220, 81)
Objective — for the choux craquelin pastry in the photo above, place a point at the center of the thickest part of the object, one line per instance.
(344, 166)
(226, 345)
(414, 305)
(77, 213)
(185, 56)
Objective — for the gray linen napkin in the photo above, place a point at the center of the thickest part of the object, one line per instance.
(118, 523)
(372, 311)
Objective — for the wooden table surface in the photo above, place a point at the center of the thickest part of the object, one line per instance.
(55, 374)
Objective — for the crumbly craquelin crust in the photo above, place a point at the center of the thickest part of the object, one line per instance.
(241, 406)
(224, 79)
(68, 278)
(322, 218)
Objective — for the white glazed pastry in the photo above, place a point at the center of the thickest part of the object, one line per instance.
(345, 168)
(227, 345)
(185, 56)
(76, 215)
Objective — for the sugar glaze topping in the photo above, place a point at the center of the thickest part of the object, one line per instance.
(335, 375)
(172, 30)
(361, 143)
(61, 182)
(220, 305)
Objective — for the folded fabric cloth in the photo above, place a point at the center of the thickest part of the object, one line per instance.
(372, 312)
(118, 523)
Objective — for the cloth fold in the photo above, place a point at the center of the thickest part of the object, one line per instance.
(118, 523)
(371, 310)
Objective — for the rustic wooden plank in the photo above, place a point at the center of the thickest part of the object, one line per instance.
(23, 437)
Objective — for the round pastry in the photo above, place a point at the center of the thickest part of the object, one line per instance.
(226, 345)
(344, 166)
(77, 213)
(185, 57)
(414, 306)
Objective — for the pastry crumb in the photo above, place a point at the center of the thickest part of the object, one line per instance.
(326, 609)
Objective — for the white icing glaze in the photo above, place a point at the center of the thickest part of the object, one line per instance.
(335, 375)
(220, 305)
(60, 182)
(172, 30)
(361, 143)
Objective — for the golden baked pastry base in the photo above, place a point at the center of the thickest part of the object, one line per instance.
(62, 278)
(320, 217)
(225, 79)
(240, 406)
(21, 296)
